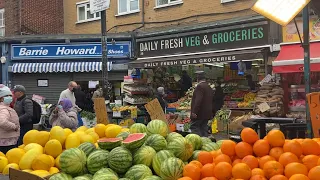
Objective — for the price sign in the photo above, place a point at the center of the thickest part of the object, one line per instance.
(264, 107)
(155, 110)
(99, 5)
(100, 109)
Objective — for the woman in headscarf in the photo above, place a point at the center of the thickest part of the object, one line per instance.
(65, 115)
(9, 121)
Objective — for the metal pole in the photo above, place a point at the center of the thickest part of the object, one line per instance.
(306, 46)
(104, 58)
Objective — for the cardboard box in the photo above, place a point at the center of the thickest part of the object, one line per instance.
(19, 175)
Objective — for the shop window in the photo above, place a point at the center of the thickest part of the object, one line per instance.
(2, 25)
(83, 13)
(128, 6)
(164, 3)
(226, 1)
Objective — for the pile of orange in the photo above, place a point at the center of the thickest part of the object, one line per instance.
(271, 158)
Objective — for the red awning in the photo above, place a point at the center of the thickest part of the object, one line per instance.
(291, 58)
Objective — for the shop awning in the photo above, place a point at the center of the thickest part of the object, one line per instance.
(197, 58)
(291, 58)
(58, 67)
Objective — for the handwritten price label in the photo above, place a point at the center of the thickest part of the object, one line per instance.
(264, 107)
(155, 110)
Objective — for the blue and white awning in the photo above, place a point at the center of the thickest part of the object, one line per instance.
(58, 67)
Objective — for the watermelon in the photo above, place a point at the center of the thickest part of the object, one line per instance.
(138, 172)
(157, 127)
(138, 128)
(171, 169)
(195, 141)
(205, 140)
(120, 159)
(152, 178)
(157, 142)
(172, 136)
(123, 135)
(109, 143)
(73, 161)
(134, 141)
(97, 160)
(219, 143)
(124, 179)
(87, 148)
(60, 176)
(195, 155)
(159, 158)
(108, 176)
(144, 155)
(181, 148)
(82, 178)
(105, 171)
(210, 147)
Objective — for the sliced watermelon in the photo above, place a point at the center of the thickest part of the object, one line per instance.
(109, 143)
(134, 141)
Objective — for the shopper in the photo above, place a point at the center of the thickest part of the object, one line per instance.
(80, 97)
(218, 98)
(160, 97)
(9, 121)
(69, 92)
(24, 109)
(65, 115)
(201, 106)
(186, 82)
(251, 84)
(98, 93)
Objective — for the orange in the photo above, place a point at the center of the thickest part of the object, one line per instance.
(272, 168)
(310, 146)
(185, 178)
(236, 162)
(265, 159)
(294, 147)
(243, 149)
(261, 148)
(279, 177)
(295, 168)
(197, 163)
(251, 161)
(248, 135)
(223, 170)
(258, 177)
(276, 152)
(222, 158)
(257, 171)
(276, 138)
(205, 157)
(227, 147)
(214, 154)
(287, 158)
(207, 171)
(310, 161)
(241, 171)
(209, 178)
(314, 173)
(219, 152)
(299, 177)
(192, 171)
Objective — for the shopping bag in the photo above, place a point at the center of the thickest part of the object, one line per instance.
(214, 126)
(80, 122)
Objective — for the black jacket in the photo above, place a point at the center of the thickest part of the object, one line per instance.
(80, 98)
(162, 102)
(218, 98)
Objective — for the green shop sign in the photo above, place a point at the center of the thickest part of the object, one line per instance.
(219, 40)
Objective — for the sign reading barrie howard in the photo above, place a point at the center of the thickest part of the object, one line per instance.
(57, 51)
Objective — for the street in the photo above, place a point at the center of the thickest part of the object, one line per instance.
(2, 177)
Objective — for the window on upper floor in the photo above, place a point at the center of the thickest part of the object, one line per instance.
(128, 6)
(226, 1)
(83, 13)
(168, 2)
(2, 25)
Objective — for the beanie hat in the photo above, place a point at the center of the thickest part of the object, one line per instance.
(19, 88)
(4, 91)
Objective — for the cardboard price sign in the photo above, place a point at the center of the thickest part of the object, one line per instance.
(100, 109)
(155, 110)
(314, 106)
(264, 107)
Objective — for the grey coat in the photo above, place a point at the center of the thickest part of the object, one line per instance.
(64, 119)
(24, 109)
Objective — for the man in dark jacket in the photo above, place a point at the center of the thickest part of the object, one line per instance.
(160, 97)
(218, 97)
(186, 82)
(201, 107)
(24, 109)
(80, 97)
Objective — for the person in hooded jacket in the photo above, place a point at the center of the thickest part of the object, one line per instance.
(65, 115)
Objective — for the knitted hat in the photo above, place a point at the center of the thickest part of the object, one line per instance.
(4, 91)
(19, 88)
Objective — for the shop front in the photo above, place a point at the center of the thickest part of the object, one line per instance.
(45, 69)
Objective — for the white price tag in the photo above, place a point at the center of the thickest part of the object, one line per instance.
(116, 114)
(264, 107)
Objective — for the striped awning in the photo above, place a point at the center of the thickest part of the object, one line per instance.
(58, 67)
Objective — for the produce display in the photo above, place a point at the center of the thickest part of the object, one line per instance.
(124, 108)
(240, 99)
(136, 99)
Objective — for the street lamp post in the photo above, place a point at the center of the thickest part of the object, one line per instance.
(104, 58)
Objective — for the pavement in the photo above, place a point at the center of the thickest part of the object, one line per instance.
(2, 177)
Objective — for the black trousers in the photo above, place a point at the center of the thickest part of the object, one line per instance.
(199, 127)
(5, 149)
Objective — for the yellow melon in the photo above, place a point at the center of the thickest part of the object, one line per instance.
(3, 163)
(31, 137)
(41, 173)
(67, 131)
(27, 170)
(94, 135)
(86, 138)
(97, 146)
(22, 146)
(53, 148)
(1, 154)
(82, 128)
(43, 138)
(125, 130)
(58, 133)
(42, 162)
(14, 155)
(27, 158)
(89, 130)
(57, 162)
(100, 130)
(113, 131)
(52, 160)
(33, 146)
(12, 165)
(53, 170)
(80, 133)
(109, 125)
(72, 141)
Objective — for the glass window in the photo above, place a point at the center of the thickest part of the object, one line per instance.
(2, 24)
(127, 6)
(84, 14)
(167, 2)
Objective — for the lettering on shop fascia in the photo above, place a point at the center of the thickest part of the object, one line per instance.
(237, 38)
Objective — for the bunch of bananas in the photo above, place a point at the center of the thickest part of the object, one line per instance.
(123, 108)
(249, 97)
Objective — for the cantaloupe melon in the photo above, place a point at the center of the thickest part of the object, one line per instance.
(12, 165)
(27, 158)
(31, 137)
(58, 133)
(72, 141)
(53, 170)
(67, 131)
(3, 163)
(44, 137)
(42, 162)
(33, 146)
(14, 155)
(53, 148)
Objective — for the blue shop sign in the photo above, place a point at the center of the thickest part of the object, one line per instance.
(81, 50)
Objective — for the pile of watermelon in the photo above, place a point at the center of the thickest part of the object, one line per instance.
(146, 153)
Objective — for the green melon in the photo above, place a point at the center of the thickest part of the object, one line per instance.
(219, 143)
(195, 155)
(210, 147)
(195, 141)
(73, 161)
(181, 148)
(159, 158)
(123, 135)
(60, 176)
(144, 155)
(120, 159)
(138, 128)
(152, 178)
(157, 142)
(82, 178)
(87, 148)
(109, 143)
(124, 179)
(105, 177)
(157, 127)
(171, 169)
(205, 140)
(97, 160)
(138, 172)
(105, 171)
(172, 136)
(134, 141)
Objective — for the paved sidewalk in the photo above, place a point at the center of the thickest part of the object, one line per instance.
(4, 177)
